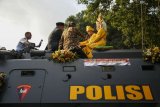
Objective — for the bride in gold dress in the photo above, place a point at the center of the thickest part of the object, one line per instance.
(96, 39)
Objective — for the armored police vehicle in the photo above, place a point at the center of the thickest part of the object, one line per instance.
(112, 78)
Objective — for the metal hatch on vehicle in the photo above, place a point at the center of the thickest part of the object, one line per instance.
(24, 86)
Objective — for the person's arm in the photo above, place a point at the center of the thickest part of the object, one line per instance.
(100, 34)
(61, 42)
(83, 43)
(40, 43)
(49, 45)
(80, 34)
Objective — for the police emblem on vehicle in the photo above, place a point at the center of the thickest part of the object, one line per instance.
(22, 91)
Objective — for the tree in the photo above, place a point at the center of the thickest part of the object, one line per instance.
(127, 18)
(71, 18)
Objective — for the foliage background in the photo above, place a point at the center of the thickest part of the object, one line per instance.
(123, 18)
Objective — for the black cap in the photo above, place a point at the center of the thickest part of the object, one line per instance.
(59, 24)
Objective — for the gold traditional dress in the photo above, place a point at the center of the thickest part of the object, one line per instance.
(97, 39)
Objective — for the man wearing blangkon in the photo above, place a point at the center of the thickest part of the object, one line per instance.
(55, 36)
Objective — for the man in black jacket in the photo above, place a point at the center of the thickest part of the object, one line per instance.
(55, 36)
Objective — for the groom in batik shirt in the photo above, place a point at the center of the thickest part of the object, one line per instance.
(70, 40)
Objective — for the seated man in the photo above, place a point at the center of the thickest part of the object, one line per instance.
(70, 40)
(96, 39)
(24, 43)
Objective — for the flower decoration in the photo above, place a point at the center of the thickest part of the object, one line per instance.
(152, 55)
(2, 78)
(63, 56)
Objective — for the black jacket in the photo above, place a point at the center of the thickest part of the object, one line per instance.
(54, 38)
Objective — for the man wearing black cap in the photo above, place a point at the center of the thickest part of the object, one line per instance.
(55, 36)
